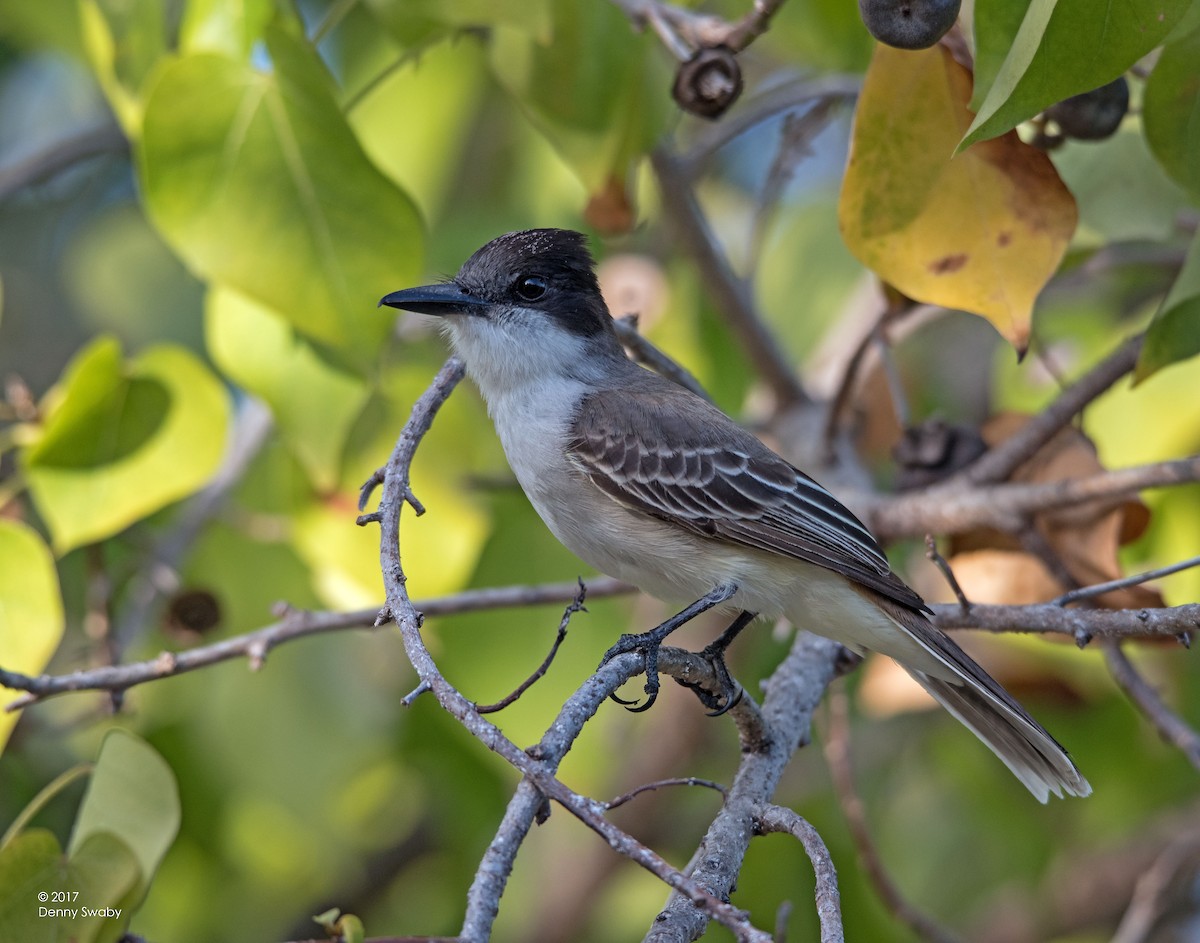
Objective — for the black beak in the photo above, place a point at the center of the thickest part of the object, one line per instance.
(442, 300)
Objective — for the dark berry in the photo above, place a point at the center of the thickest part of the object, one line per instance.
(909, 24)
(1093, 115)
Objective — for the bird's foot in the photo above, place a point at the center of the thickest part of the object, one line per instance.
(728, 692)
(649, 643)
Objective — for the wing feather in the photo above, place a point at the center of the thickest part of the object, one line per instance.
(689, 464)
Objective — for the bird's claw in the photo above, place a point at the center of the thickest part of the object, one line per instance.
(730, 692)
(648, 644)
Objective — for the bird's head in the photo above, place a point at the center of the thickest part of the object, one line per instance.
(526, 302)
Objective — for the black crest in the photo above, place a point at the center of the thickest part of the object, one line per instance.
(557, 260)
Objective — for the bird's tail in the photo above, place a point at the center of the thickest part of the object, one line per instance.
(991, 713)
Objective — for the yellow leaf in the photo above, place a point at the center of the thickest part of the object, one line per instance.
(982, 231)
(31, 610)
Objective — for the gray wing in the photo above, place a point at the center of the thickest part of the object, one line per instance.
(691, 465)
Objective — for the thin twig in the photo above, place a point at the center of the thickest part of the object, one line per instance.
(777, 100)
(158, 574)
(752, 25)
(774, 818)
(796, 136)
(1148, 904)
(837, 754)
(1170, 726)
(1000, 462)
(1099, 589)
(661, 784)
(292, 624)
(646, 353)
(931, 551)
(574, 606)
(329, 22)
(731, 293)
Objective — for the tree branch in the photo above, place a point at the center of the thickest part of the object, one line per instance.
(793, 693)
(293, 624)
(1170, 725)
(700, 30)
(577, 711)
(731, 293)
(773, 818)
(837, 754)
(999, 463)
(1049, 618)
(952, 509)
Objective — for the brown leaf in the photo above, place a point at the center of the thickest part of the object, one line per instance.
(992, 566)
(610, 209)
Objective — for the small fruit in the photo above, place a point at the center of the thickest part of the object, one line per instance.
(909, 24)
(709, 82)
(1093, 115)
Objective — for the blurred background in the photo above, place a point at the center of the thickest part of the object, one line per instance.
(213, 196)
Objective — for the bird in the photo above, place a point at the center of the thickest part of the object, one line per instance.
(651, 483)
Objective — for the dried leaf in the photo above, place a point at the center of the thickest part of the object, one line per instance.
(992, 567)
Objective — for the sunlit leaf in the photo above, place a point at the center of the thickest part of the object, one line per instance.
(314, 402)
(982, 231)
(1171, 111)
(447, 78)
(31, 610)
(440, 549)
(413, 21)
(598, 93)
(125, 39)
(124, 440)
(132, 795)
(100, 875)
(1059, 48)
(221, 26)
(1174, 334)
(257, 181)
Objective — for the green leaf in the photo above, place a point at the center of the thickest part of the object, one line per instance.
(224, 27)
(1122, 192)
(258, 183)
(123, 441)
(996, 24)
(1171, 111)
(1060, 48)
(1174, 334)
(97, 882)
(447, 78)
(28, 865)
(415, 21)
(52, 23)
(31, 610)
(124, 39)
(600, 95)
(314, 402)
(133, 795)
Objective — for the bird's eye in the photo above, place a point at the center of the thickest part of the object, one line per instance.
(531, 287)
